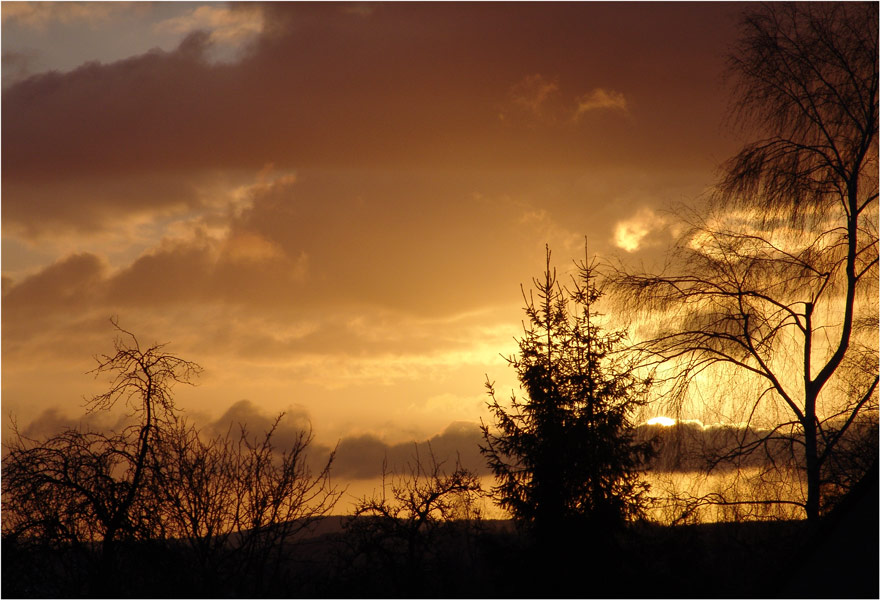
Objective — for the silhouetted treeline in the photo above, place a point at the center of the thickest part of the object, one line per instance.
(491, 560)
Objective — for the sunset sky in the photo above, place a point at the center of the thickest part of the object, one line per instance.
(331, 207)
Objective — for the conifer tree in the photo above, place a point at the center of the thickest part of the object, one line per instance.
(565, 455)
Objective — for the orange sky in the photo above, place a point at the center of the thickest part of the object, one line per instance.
(331, 207)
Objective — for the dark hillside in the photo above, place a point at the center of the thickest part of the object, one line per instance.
(725, 560)
(846, 544)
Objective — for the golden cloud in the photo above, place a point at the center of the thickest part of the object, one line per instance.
(599, 99)
(230, 26)
(532, 92)
(39, 15)
(630, 233)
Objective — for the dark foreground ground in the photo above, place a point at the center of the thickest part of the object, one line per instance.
(839, 559)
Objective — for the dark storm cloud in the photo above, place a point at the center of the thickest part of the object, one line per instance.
(52, 421)
(206, 270)
(684, 447)
(315, 245)
(357, 457)
(363, 457)
(420, 243)
(407, 85)
(70, 284)
(89, 205)
(16, 66)
(286, 426)
(691, 447)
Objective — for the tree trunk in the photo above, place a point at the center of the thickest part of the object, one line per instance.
(812, 460)
(104, 585)
(811, 391)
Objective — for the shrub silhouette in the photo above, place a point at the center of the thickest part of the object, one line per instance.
(411, 539)
(217, 513)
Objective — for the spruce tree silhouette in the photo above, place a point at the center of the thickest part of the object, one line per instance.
(565, 457)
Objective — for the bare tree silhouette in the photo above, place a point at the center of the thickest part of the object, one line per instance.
(234, 502)
(89, 487)
(239, 502)
(777, 282)
(401, 534)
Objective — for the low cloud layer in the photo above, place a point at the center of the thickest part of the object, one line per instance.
(363, 457)
(684, 447)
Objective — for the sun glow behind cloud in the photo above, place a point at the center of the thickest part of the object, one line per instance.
(379, 284)
(229, 29)
(630, 233)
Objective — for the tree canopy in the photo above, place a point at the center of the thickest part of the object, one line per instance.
(565, 453)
